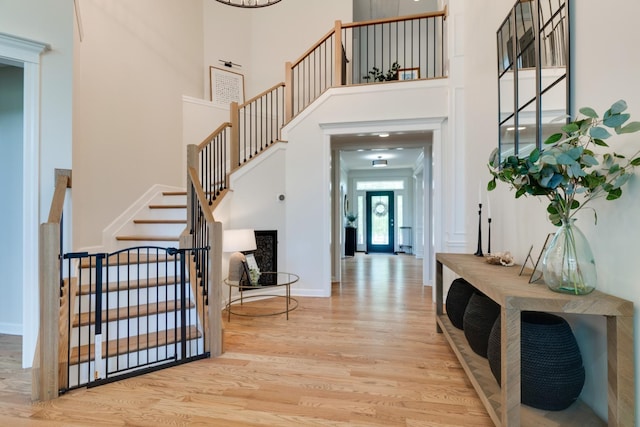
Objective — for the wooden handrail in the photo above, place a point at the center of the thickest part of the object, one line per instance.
(208, 139)
(395, 19)
(312, 48)
(324, 38)
(263, 93)
(57, 203)
(202, 198)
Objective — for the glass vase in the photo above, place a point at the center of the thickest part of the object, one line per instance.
(568, 265)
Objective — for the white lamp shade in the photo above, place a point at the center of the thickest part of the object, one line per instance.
(239, 240)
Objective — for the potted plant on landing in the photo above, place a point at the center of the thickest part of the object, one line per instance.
(571, 173)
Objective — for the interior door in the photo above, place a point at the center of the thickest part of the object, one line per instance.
(380, 221)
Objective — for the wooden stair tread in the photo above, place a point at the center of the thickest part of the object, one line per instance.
(149, 238)
(131, 285)
(134, 343)
(123, 313)
(174, 193)
(124, 258)
(168, 206)
(159, 221)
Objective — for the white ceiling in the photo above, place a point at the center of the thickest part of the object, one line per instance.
(400, 149)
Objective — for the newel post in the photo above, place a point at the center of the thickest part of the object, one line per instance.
(288, 92)
(338, 54)
(192, 163)
(215, 291)
(234, 142)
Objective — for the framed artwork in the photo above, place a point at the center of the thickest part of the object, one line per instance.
(251, 262)
(225, 86)
(536, 274)
(266, 254)
(408, 73)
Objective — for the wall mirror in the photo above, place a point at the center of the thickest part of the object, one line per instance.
(533, 75)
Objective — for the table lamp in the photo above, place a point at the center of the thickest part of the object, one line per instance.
(236, 241)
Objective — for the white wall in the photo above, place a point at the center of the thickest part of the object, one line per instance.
(308, 210)
(11, 146)
(134, 63)
(48, 129)
(262, 40)
(604, 71)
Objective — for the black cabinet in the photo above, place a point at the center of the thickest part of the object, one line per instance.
(350, 241)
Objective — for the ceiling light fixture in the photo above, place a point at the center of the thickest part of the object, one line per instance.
(383, 135)
(248, 3)
(379, 163)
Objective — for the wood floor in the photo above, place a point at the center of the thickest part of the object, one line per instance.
(367, 356)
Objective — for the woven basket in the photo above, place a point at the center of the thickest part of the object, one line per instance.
(458, 297)
(479, 317)
(552, 374)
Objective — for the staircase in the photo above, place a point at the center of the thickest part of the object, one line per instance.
(159, 224)
(148, 317)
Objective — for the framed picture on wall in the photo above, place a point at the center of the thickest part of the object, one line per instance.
(226, 86)
(408, 73)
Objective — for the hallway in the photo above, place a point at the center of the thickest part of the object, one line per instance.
(367, 356)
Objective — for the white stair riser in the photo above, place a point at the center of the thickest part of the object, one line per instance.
(131, 272)
(131, 327)
(132, 297)
(158, 229)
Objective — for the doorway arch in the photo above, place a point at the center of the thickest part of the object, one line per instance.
(431, 203)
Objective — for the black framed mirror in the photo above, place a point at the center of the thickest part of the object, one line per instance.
(533, 75)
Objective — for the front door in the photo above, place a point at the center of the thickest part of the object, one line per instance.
(380, 221)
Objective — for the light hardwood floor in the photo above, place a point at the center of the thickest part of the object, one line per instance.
(367, 356)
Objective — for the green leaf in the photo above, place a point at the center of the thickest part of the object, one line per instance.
(616, 121)
(618, 107)
(521, 192)
(636, 161)
(534, 156)
(575, 204)
(571, 127)
(598, 132)
(553, 138)
(630, 128)
(589, 160)
(589, 112)
(552, 209)
(614, 194)
(600, 142)
(564, 159)
(491, 185)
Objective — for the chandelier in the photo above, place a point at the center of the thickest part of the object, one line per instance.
(249, 3)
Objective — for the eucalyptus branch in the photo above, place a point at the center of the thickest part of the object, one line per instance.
(568, 173)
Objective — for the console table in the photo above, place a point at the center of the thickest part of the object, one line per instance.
(276, 279)
(514, 294)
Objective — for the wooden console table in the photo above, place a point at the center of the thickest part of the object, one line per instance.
(515, 294)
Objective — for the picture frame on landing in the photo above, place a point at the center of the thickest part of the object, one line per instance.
(408, 73)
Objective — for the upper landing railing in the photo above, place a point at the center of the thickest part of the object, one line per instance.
(409, 47)
(403, 48)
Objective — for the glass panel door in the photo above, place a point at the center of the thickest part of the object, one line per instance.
(380, 224)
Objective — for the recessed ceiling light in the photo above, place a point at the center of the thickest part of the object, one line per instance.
(383, 135)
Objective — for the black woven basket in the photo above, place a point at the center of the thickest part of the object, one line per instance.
(479, 317)
(552, 374)
(458, 297)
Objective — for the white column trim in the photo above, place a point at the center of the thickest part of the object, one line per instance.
(26, 53)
